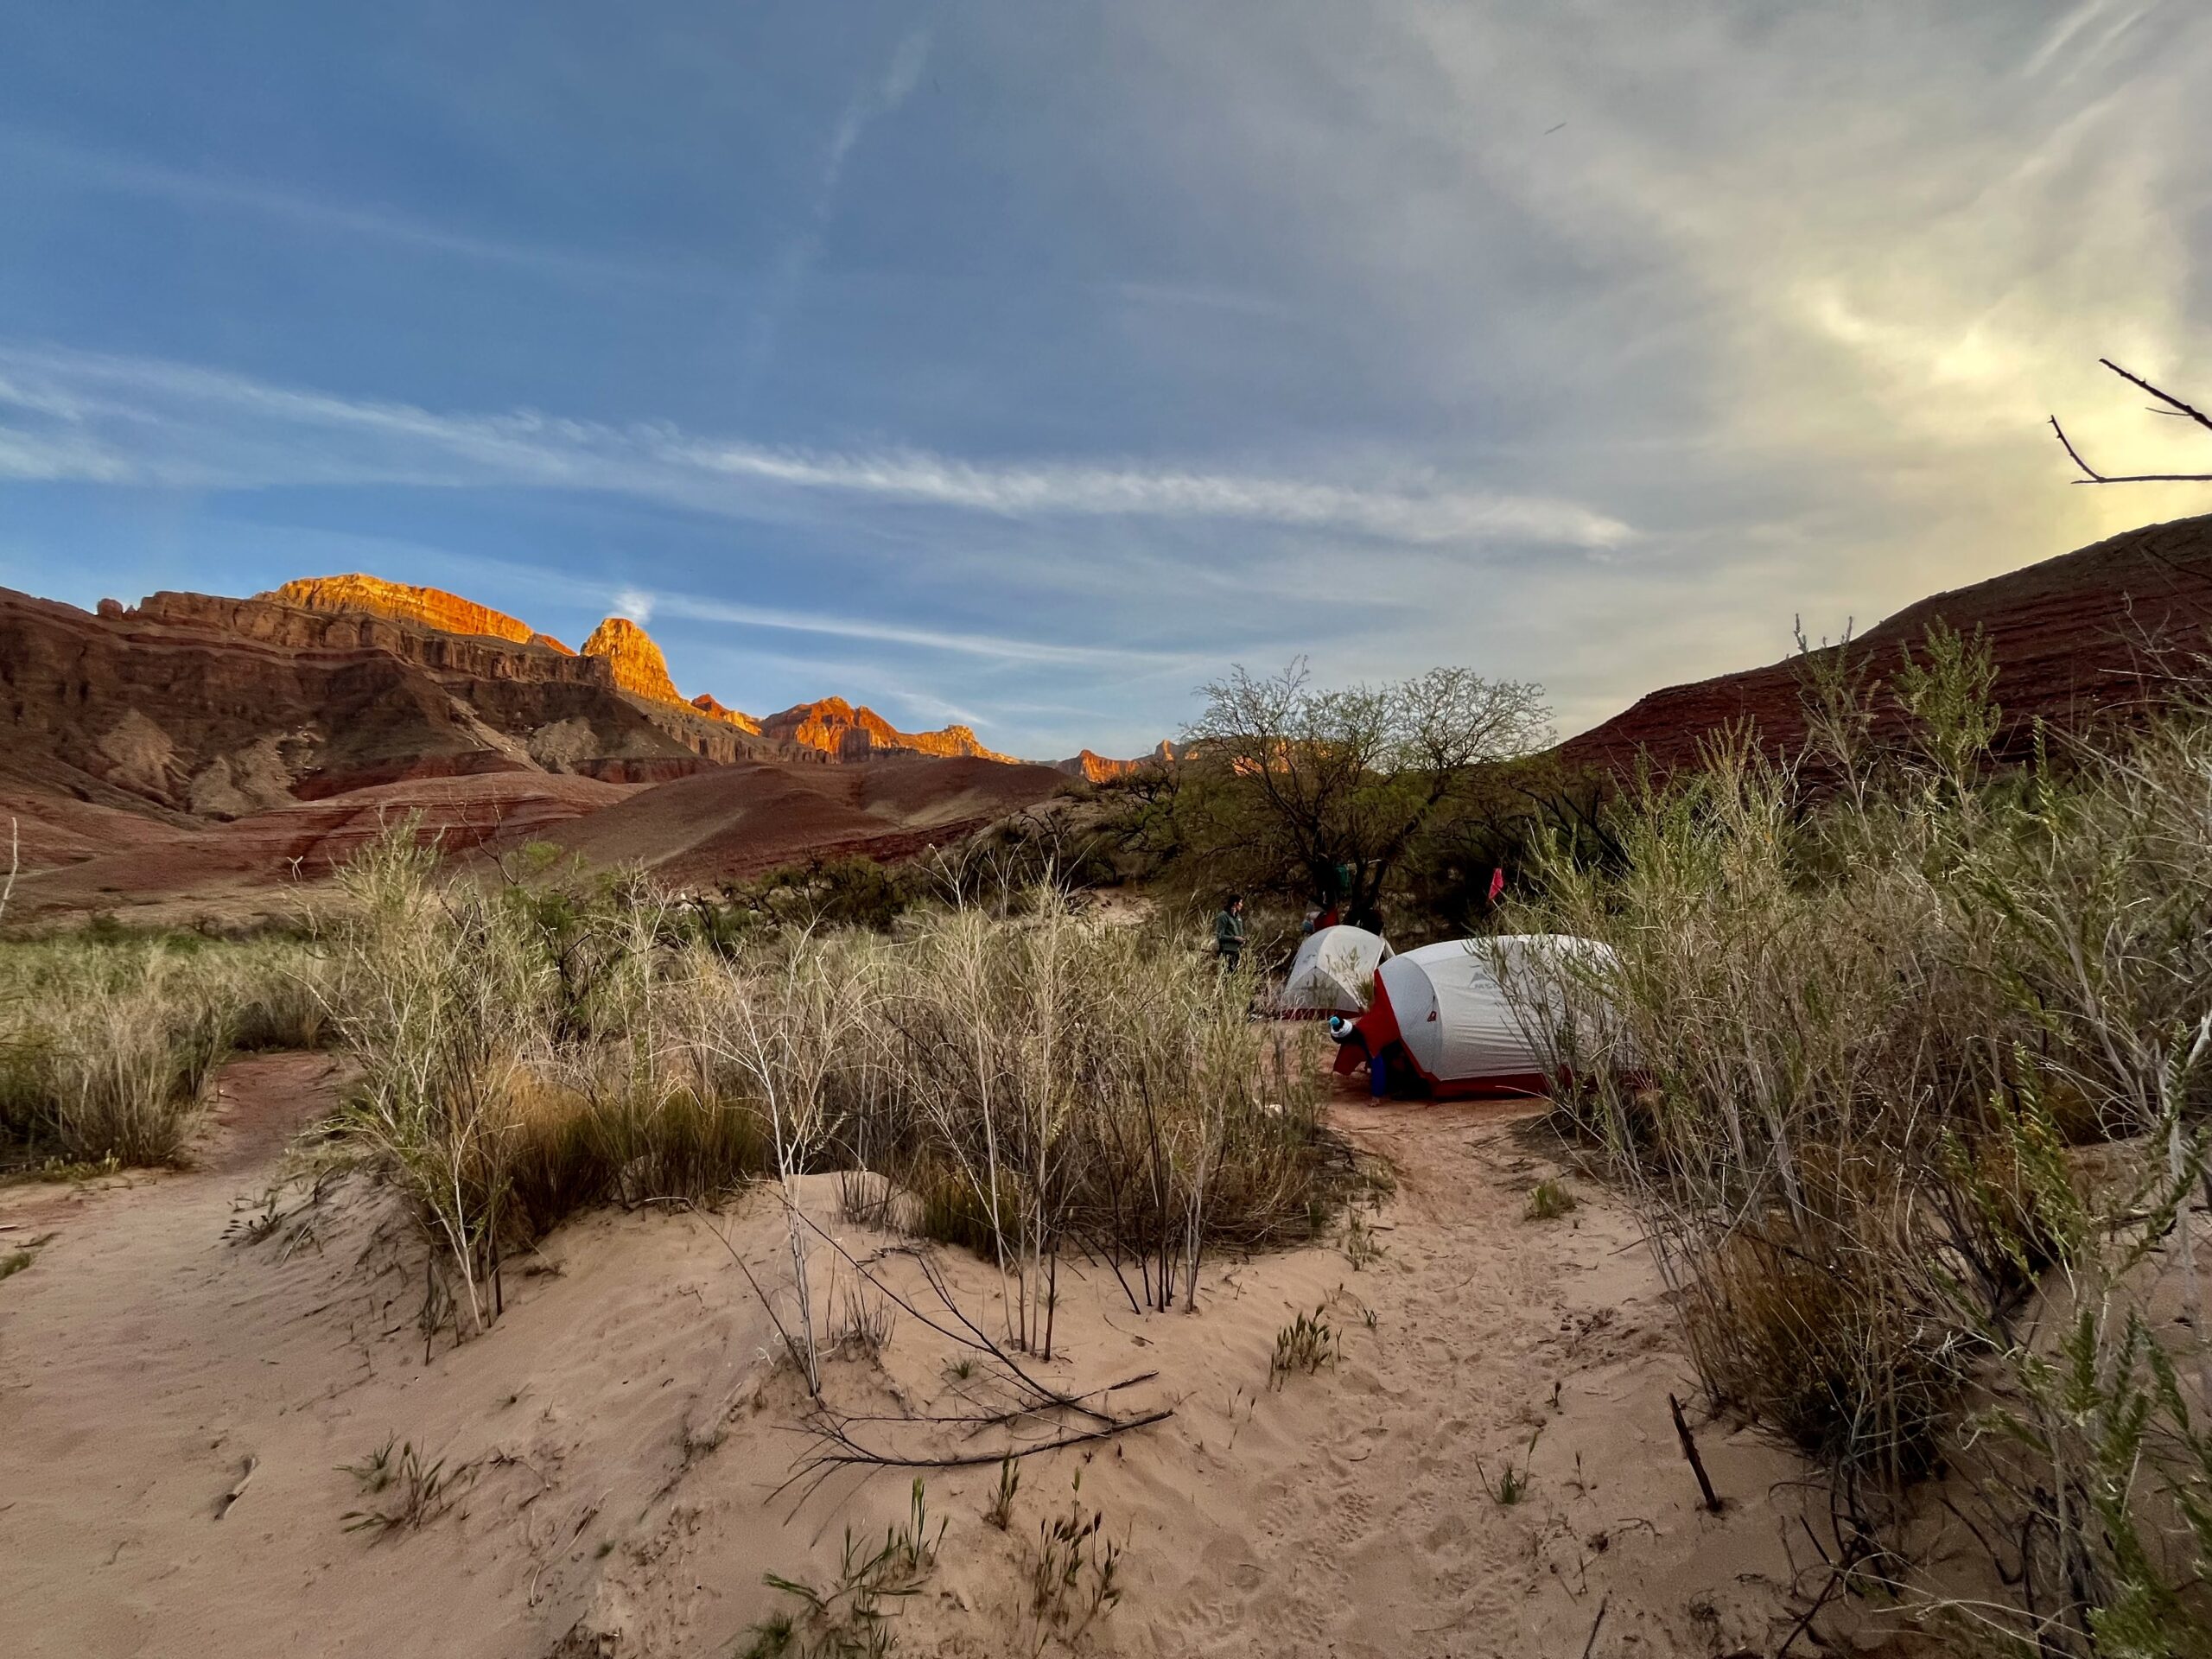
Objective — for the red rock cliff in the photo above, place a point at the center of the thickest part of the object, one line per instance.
(711, 706)
(433, 607)
(837, 729)
(640, 669)
(1100, 768)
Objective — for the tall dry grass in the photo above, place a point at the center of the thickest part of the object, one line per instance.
(107, 1046)
(1008, 1075)
(1904, 1061)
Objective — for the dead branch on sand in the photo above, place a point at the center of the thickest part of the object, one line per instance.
(1059, 1417)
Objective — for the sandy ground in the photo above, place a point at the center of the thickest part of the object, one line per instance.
(621, 1432)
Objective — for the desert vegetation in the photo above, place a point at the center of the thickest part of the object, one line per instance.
(109, 1040)
(1016, 1075)
(1903, 1066)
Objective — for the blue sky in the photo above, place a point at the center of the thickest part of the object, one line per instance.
(1026, 365)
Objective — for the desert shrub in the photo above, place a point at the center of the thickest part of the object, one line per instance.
(1549, 1199)
(1027, 1079)
(107, 1043)
(1822, 1341)
(1904, 1062)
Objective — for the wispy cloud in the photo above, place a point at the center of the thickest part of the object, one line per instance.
(997, 648)
(133, 419)
(129, 175)
(876, 97)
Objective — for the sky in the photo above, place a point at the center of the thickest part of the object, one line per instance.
(1025, 367)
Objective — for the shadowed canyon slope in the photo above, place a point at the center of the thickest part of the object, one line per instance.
(199, 746)
(2095, 630)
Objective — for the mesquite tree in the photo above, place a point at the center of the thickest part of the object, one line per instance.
(1341, 782)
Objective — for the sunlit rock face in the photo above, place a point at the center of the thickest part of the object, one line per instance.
(433, 607)
(640, 669)
(1097, 768)
(713, 707)
(832, 728)
(836, 729)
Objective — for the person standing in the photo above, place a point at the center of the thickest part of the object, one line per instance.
(1229, 932)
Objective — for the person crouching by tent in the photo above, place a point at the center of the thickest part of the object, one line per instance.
(1228, 932)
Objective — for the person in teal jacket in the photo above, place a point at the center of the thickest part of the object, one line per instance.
(1229, 932)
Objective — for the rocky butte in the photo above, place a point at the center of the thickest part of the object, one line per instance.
(831, 727)
(834, 727)
(640, 669)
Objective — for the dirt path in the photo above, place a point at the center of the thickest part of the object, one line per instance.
(618, 1436)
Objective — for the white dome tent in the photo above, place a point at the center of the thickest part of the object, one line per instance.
(1470, 1016)
(1332, 973)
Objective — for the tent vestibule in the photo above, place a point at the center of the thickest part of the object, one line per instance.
(1445, 1013)
(1332, 973)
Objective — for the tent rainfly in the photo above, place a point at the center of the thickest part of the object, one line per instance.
(1442, 1013)
(1332, 973)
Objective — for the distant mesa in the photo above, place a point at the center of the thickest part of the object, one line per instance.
(1100, 768)
(831, 727)
(432, 608)
(840, 730)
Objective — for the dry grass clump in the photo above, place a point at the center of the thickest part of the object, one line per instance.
(1907, 1063)
(107, 1046)
(1022, 1080)
(1822, 1342)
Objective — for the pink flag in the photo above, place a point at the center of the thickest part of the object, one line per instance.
(1497, 883)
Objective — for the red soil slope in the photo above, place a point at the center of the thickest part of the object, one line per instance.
(738, 821)
(305, 841)
(2072, 636)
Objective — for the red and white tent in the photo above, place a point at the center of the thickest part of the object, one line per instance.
(1332, 973)
(1470, 1017)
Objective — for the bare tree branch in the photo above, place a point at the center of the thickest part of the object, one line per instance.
(2174, 406)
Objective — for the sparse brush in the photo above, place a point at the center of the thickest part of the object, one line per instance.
(1514, 1479)
(1361, 1247)
(1012, 1077)
(109, 1041)
(374, 1473)
(1307, 1344)
(1549, 1200)
(1828, 1347)
(1000, 1512)
(1074, 1573)
(1867, 1006)
(865, 1319)
(421, 1492)
(849, 1617)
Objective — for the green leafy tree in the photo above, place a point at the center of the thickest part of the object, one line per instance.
(1333, 788)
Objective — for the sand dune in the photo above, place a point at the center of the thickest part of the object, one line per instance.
(618, 1439)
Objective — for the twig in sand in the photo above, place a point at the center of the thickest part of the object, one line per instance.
(237, 1491)
(1596, 1624)
(1689, 1451)
(1838, 1575)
